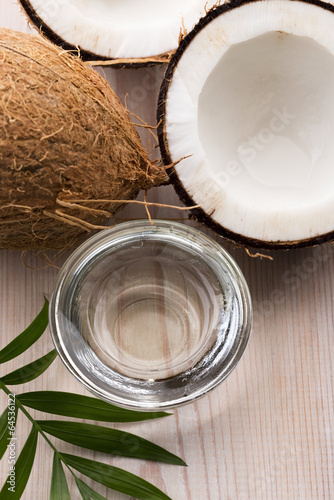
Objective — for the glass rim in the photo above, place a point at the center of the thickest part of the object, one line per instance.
(100, 244)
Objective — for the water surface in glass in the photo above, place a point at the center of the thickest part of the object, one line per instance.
(149, 311)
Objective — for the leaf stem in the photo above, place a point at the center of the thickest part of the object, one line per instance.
(36, 425)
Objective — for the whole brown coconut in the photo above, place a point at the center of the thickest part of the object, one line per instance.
(65, 142)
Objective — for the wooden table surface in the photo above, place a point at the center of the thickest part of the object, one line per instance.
(266, 433)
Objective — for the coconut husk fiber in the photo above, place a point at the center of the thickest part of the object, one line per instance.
(65, 140)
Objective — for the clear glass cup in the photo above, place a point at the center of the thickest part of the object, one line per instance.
(150, 317)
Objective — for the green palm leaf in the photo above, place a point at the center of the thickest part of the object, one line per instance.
(31, 371)
(89, 436)
(23, 468)
(78, 406)
(59, 488)
(3, 432)
(27, 338)
(86, 492)
(115, 478)
(106, 440)
(7, 427)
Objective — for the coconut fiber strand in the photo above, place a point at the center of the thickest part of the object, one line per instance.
(65, 137)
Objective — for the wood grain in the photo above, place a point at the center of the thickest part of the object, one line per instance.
(266, 433)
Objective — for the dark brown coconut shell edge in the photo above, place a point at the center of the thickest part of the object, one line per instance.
(86, 55)
(197, 213)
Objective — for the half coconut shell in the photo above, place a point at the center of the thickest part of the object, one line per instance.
(247, 102)
(126, 33)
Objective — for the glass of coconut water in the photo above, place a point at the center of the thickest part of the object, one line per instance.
(150, 316)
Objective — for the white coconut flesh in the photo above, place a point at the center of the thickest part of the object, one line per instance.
(251, 103)
(121, 28)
